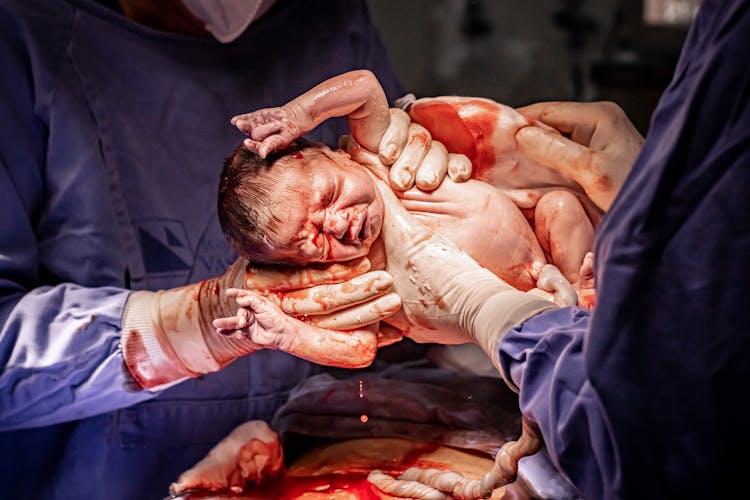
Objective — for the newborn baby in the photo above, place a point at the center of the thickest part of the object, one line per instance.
(308, 203)
(480, 139)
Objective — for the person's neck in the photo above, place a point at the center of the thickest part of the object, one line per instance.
(164, 15)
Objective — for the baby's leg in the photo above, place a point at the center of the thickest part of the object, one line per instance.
(564, 231)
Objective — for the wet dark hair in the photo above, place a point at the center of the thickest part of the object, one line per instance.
(246, 203)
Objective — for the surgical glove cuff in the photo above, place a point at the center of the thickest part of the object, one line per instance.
(168, 335)
(149, 358)
(497, 314)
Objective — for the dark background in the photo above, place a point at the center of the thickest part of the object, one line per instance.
(523, 51)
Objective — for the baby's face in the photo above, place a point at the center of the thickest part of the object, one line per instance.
(333, 209)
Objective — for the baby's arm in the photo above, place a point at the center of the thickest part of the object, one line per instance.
(267, 321)
(356, 94)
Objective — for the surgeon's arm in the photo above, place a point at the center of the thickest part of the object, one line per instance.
(60, 356)
(69, 351)
(168, 335)
(535, 345)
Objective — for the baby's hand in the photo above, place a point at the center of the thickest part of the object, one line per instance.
(263, 323)
(268, 129)
(257, 318)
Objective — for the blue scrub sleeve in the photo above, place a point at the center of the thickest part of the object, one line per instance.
(544, 357)
(60, 357)
(644, 397)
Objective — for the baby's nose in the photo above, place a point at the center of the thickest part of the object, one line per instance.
(336, 224)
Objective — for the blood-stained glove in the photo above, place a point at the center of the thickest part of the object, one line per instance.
(262, 322)
(602, 146)
(250, 454)
(168, 335)
(446, 296)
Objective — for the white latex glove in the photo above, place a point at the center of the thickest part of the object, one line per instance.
(415, 158)
(446, 296)
(424, 162)
(251, 453)
(168, 335)
(603, 144)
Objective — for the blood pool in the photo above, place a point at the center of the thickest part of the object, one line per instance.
(339, 471)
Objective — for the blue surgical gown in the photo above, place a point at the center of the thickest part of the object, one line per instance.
(646, 397)
(112, 140)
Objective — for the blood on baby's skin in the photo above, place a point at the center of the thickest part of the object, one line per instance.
(297, 155)
(482, 126)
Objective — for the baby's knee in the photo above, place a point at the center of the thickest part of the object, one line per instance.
(559, 206)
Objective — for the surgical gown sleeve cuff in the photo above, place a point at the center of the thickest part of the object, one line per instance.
(147, 357)
(499, 314)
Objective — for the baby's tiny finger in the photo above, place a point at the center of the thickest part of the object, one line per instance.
(264, 130)
(248, 299)
(236, 119)
(252, 145)
(243, 316)
(225, 324)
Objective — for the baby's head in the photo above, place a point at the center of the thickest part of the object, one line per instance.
(303, 204)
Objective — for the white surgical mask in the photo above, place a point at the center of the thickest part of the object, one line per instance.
(227, 19)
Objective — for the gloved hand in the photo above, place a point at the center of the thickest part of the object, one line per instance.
(446, 296)
(602, 148)
(168, 335)
(424, 162)
(251, 453)
(262, 322)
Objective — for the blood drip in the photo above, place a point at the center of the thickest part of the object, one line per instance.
(363, 418)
